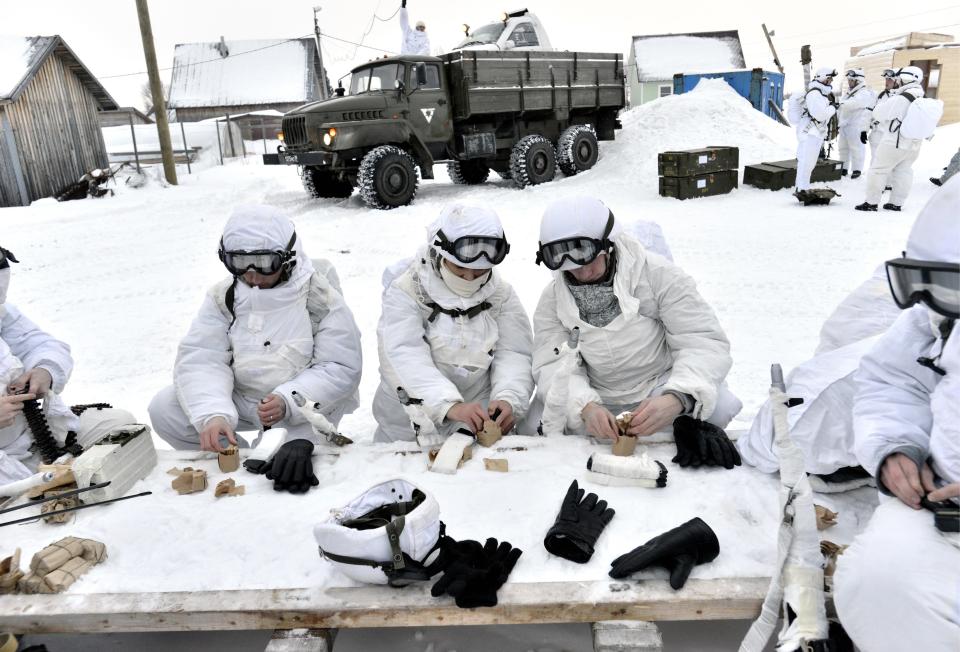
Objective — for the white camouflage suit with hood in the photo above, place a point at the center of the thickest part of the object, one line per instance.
(855, 116)
(414, 41)
(443, 359)
(297, 336)
(898, 585)
(666, 338)
(24, 346)
(813, 126)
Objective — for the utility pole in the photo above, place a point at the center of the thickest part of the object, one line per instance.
(323, 71)
(776, 59)
(156, 90)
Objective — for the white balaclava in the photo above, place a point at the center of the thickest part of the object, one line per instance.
(575, 217)
(457, 221)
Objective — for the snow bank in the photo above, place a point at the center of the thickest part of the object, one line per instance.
(15, 55)
(661, 57)
(119, 141)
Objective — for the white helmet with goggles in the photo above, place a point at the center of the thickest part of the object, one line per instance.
(929, 271)
(258, 238)
(469, 236)
(855, 73)
(909, 75)
(825, 75)
(389, 534)
(573, 232)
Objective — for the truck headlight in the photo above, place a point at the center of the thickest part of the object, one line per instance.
(280, 136)
(328, 136)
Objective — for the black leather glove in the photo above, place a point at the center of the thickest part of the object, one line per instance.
(473, 573)
(578, 525)
(863, 137)
(703, 444)
(291, 467)
(678, 550)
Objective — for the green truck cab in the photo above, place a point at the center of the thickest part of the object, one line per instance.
(522, 114)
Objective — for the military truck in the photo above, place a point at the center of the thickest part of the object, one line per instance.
(521, 114)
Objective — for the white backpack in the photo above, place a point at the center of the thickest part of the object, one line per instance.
(796, 107)
(922, 117)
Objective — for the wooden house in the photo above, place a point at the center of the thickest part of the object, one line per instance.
(938, 55)
(49, 130)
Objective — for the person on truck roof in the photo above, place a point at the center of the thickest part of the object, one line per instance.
(649, 343)
(453, 334)
(35, 365)
(277, 326)
(415, 41)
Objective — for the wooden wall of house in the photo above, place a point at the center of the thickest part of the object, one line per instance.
(56, 129)
(949, 88)
(9, 191)
(116, 118)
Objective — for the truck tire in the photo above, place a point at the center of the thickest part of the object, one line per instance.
(388, 177)
(577, 149)
(532, 161)
(468, 172)
(322, 183)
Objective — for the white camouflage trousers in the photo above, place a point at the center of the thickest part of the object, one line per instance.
(897, 587)
(892, 167)
(851, 149)
(808, 151)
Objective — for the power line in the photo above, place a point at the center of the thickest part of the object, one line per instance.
(875, 22)
(359, 45)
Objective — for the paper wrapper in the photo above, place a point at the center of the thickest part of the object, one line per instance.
(825, 517)
(10, 573)
(496, 464)
(467, 455)
(188, 480)
(60, 503)
(490, 434)
(228, 487)
(229, 459)
(60, 564)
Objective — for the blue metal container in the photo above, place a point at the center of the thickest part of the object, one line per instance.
(762, 88)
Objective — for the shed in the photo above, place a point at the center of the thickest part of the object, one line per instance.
(938, 55)
(655, 59)
(49, 131)
(125, 115)
(212, 80)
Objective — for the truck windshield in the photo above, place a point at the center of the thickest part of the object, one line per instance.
(486, 34)
(375, 78)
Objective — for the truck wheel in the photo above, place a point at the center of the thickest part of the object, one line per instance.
(322, 183)
(577, 149)
(532, 161)
(388, 177)
(468, 172)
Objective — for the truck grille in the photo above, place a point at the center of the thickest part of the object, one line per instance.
(362, 115)
(295, 130)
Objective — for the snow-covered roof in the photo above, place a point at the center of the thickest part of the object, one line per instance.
(660, 57)
(883, 46)
(265, 71)
(22, 56)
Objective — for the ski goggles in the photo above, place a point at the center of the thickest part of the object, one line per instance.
(935, 284)
(471, 248)
(262, 261)
(7, 257)
(579, 250)
(888, 73)
(853, 74)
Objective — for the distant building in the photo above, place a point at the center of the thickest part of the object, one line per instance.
(123, 116)
(49, 131)
(655, 59)
(938, 55)
(211, 80)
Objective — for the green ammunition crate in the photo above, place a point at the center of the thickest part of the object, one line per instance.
(825, 170)
(702, 185)
(769, 176)
(692, 162)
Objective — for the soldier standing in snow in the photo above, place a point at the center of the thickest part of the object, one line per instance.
(813, 127)
(876, 128)
(415, 41)
(895, 588)
(895, 153)
(278, 325)
(855, 105)
(649, 342)
(453, 334)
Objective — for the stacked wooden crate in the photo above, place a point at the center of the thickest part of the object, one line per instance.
(698, 172)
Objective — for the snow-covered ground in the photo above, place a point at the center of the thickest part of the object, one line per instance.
(121, 278)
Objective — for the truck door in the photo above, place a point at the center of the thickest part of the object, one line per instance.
(429, 103)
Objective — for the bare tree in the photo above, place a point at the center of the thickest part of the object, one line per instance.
(147, 98)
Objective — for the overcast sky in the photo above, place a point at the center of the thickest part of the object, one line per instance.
(106, 37)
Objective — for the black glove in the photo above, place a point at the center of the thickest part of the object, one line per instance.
(863, 137)
(473, 573)
(290, 468)
(578, 525)
(678, 550)
(703, 444)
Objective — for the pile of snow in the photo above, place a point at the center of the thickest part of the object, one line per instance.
(254, 72)
(661, 57)
(16, 53)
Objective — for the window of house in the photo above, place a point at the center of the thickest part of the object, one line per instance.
(666, 90)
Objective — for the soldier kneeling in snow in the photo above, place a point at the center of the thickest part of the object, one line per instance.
(895, 588)
(648, 341)
(36, 365)
(279, 325)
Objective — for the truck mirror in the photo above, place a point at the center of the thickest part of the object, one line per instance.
(398, 84)
(509, 45)
(421, 74)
